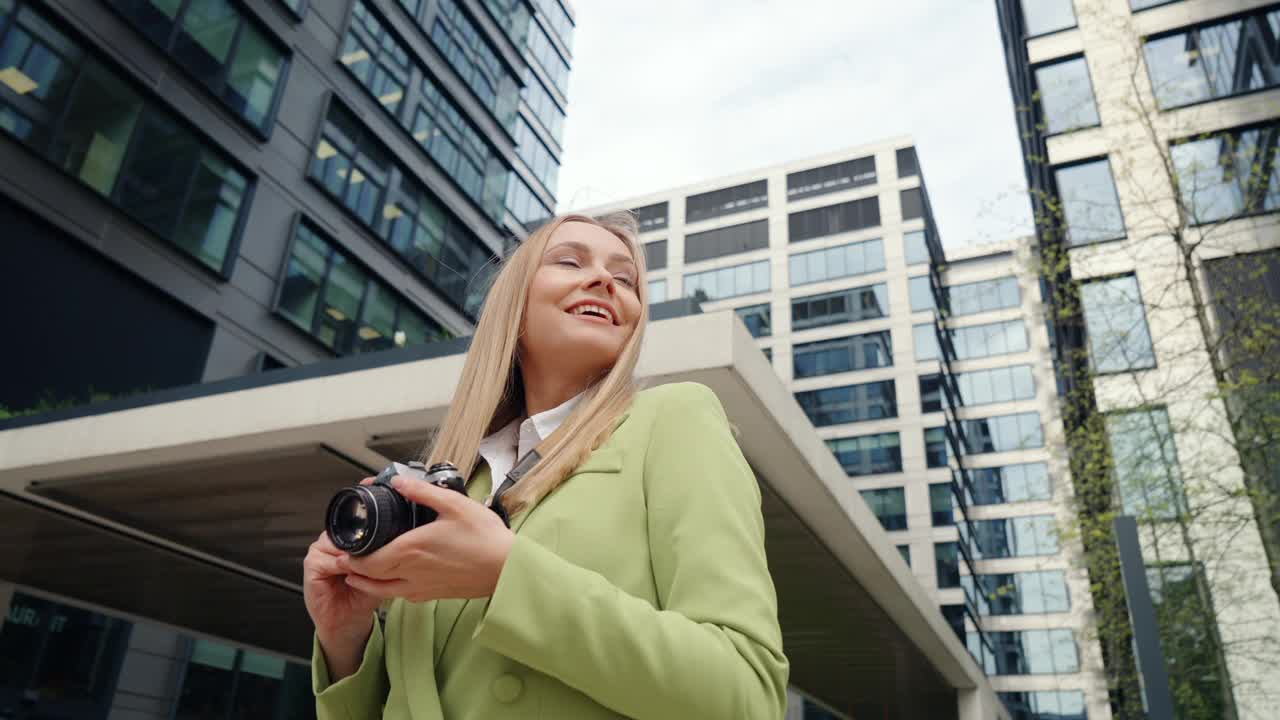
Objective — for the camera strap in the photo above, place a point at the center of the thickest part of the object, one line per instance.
(522, 468)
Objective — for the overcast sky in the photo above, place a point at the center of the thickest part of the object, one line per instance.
(669, 92)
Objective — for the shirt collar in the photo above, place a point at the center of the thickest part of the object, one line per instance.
(517, 434)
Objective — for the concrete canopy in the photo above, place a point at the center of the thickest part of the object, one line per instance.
(195, 507)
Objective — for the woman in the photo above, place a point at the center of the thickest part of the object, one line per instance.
(632, 581)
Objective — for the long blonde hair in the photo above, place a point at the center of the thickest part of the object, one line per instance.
(490, 393)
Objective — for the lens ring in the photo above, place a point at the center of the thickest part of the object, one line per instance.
(371, 506)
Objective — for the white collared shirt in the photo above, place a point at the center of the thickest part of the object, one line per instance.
(503, 448)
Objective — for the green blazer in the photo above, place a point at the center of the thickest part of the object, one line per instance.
(639, 589)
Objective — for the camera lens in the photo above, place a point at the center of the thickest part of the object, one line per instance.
(363, 518)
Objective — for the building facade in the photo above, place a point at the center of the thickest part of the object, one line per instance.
(929, 376)
(196, 190)
(1149, 131)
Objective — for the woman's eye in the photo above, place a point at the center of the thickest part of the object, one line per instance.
(625, 280)
(570, 262)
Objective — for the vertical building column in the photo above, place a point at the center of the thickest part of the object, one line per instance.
(978, 704)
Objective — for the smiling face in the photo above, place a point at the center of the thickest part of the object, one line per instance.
(583, 303)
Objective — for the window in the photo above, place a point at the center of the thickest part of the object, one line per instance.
(1032, 652)
(1233, 173)
(757, 319)
(514, 17)
(1002, 433)
(545, 108)
(726, 201)
(925, 339)
(842, 306)
(357, 172)
(1215, 60)
(468, 52)
(655, 255)
(946, 560)
(834, 219)
(837, 262)
(1015, 537)
(96, 126)
(657, 291)
(652, 217)
(935, 447)
(524, 205)
(831, 178)
(1185, 638)
(548, 57)
(920, 291)
(1045, 16)
(223, 681)
(1010, 484)
(908, 166)
(981, 387)
(1024, 593)
(889, 505)
(729, 282)
(537, 156)
(1066, 96)
(849, 403)
(1116, 325)
(954, 615)
(220, 46)
(1090, 206)
(726, 241)
(377, 58)
(325, 293)
(855, 352)
(915, 247)
(1044, 704)
(905, 552)
(868, 454)
(983, 296)
(941, 509)
(1145, 463)
(912, 203)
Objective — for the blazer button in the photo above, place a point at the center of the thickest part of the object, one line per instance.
(506, 688)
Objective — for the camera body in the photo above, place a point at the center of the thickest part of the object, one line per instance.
(362, 518)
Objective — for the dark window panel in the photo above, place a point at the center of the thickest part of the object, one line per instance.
(726, 201)
(1024, 593)
(524, 205)
(935, 447)
(537, 156)
(836, 262)
(548, 57)
(726, 241)
(1066, 96)
(946, 559)
(868, 454)
(655, 254)
(545, 108)
(757, 318)
(1002, 433)
(831, 178)
(513, 16)
(842, 306)
(954, 615)
(1032, 652)
(849, 403)
(1183, 622)
(1029, 536)
(941, 508)
(1215, 60)
(912, 200)
(855, 352)
(652, 217)
(1010, 484)
(905, 552)
(834, 219)
(889, 505)
(908, 166)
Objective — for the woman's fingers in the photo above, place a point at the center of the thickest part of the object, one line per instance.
(383, 589)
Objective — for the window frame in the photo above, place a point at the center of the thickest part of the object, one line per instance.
(1088, 342)
(1042, 127)
(1235, 131)
(1057, 192)
(1022, 15)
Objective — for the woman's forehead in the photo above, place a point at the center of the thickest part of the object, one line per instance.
(593, 237)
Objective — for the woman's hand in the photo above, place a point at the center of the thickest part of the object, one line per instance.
(459, 555)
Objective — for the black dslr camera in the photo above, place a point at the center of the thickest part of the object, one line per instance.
(363, 518)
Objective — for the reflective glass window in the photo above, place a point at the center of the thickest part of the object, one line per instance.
(1015, 537)
(514, 17)
(983, 296)
(1032, 652)
(868, 454)
(470, 54)
(549, 58)
(925, 339)
(1145, 463)
(1232, 173)
(889, 505)
(726, 241)
(915, 247)
(1066, 96)
(1046, 16)
(978, 341)
(1215, 60)
(912, 203)
(852, 305)
(545, 108)
(657, 291)
(849, 403)
(935, 447)
(1024, 593)
(524, 205)
(1116, 323)
(946, 558)
(836, 262)
(1045, 704)
(941, 509)
(834, 219)
(536, 155)
(1090, 205)
(1010, 484)
(831, 178)
(655, 255)
(1002, 433)
(652, 217)
(729, 282)
(1183, 622)
(982, 387)
(556, 16)
(757, 319)
(855, 352)
(920, 290)
(908, 165)
(726, 201)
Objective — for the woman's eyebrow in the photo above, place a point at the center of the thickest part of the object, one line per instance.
(584, 250)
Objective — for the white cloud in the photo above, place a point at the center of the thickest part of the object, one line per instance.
(671, 92)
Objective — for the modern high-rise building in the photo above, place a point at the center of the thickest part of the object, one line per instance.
(198, 190)
(929, 375)
(1149, 131)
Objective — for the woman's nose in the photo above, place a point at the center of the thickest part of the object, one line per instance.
(604, 278)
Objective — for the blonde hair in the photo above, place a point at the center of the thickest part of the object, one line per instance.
(490, 393)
